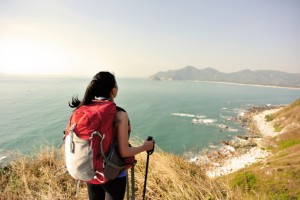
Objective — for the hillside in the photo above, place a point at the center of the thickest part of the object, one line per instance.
(170, 176)
(259, 77)
(278, 176)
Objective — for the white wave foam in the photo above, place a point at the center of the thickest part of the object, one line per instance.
(200, 116)
(188, 115)
(227, 128)
(233, 130)
(228, 118)
(223, 126)
(212, 146)
(197, 119)
(241, 114)
(203, 121)
(183, 114)
(2, 157)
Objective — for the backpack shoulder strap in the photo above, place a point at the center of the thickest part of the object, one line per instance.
(120, 109)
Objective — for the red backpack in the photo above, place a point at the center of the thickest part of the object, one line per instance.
(88, 137)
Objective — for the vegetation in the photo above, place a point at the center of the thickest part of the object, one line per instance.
(277, 177)
(288, 143)
(170, 176)
(289, 114)
(277, 128)
(245, 181)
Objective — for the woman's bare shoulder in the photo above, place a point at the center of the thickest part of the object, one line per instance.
(121, 115)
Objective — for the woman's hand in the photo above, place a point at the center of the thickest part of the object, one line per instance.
(148, 145)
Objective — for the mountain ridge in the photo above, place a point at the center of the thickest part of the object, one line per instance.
(246, 76)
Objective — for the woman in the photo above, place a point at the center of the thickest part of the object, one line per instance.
(104, 87)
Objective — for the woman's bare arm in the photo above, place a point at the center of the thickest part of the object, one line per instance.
(122, 135)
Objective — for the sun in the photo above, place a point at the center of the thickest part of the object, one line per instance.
(29, 55)
(20, 55)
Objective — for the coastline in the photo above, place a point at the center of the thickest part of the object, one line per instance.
(253, 85)
(243, 150)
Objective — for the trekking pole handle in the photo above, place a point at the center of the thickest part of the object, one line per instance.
(150, 138)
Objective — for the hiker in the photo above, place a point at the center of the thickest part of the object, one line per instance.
(104, 87)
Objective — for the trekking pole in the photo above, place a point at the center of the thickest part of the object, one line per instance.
(150, 138)
(132, 183)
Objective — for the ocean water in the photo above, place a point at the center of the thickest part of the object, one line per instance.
(182, 116)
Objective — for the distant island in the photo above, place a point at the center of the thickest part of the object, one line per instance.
(258, 77)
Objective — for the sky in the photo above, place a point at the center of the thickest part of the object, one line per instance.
(137, 38)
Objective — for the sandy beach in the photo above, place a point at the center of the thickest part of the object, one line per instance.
(240, 152)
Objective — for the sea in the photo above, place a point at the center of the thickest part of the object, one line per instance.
(184, 117)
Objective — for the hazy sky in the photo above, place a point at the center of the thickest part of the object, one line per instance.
(139, 37)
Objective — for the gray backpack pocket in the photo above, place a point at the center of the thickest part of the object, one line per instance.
(79, 157)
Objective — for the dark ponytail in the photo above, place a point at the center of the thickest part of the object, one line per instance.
(101, 86)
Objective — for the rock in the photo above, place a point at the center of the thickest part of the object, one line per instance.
(246, 137)
(242, 143)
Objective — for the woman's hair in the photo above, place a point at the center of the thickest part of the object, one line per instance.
(101, 86)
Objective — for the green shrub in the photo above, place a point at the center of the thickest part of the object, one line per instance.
(269, 118)
(288, 143)
(245, 181)
(283, 196)
(277, 128)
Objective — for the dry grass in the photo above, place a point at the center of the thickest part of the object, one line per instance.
(31, 177)
(287, 117)
(169, 177)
